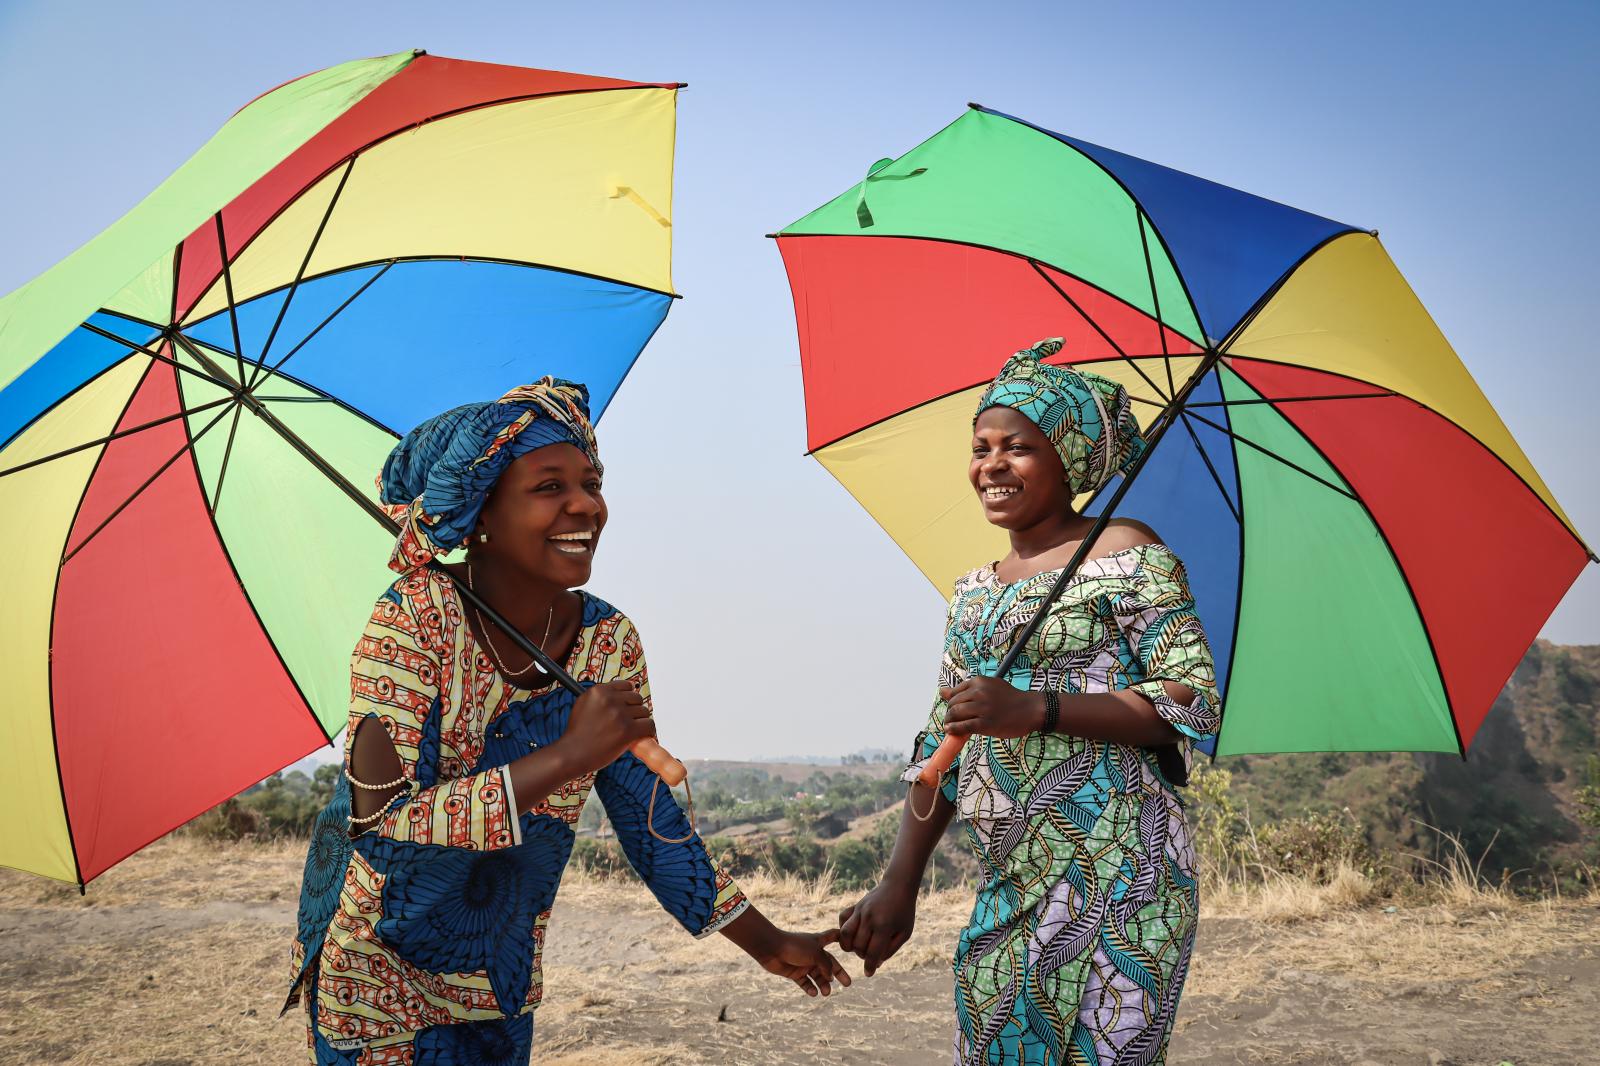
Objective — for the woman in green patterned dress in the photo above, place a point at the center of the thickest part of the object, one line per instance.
(1081, 933)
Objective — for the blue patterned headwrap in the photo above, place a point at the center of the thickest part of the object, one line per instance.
(437, 478)
(1088, 418)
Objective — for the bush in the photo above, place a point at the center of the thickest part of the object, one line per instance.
(1315, 846)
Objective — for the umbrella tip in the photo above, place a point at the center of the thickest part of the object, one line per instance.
(419, 51)
(1373, 232)
(975, 107)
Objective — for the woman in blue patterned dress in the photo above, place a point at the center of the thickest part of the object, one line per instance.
(1081, 933)
(431, 875)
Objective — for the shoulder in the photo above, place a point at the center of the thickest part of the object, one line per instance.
(597, 611)
(970, 580)
(1122, 534)
(420, 606)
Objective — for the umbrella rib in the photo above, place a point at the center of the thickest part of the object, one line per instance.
(151, 480)
(1155, 298)
(1269, 453)
(1386, 395)
(331, 316)
(1215, 477)
(221, 383)
(301, 273)
(1107, 337)
(227, 452)
(163, 420)
(227, 284)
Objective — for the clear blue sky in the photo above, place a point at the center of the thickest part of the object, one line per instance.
(778, 618)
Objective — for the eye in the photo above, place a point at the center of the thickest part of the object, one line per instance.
(547, 486)
(593, 486)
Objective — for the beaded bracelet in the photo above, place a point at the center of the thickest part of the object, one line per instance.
(352, 821)
(1052, 710)
(348, 776)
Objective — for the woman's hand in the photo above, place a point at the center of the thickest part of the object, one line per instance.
(800, 957)
(989, 707)
(879, 924)
(605, 721)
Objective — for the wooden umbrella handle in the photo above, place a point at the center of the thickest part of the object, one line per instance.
(943, 757)
(660, 761)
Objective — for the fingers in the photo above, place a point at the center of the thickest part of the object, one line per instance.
(837, 971)
(849, 927)
(875, 950)
(831, 936)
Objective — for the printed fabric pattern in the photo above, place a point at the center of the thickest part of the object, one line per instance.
(1080, 936)
(437, 915)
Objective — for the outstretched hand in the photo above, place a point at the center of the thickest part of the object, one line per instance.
(801, 958)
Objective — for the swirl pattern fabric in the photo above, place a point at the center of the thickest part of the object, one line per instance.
(435, 919)
(1080, 937)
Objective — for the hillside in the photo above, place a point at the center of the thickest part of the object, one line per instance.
(1514, 796)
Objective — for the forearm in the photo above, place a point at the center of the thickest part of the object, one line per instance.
(539, 773)
(914, 844)
(1122, 717)
(753, 932)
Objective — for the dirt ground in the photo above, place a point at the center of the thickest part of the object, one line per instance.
(179, 956)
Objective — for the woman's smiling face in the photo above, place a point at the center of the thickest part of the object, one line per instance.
(546, 513)
(1015, 470)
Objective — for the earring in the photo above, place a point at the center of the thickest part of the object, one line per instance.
(483, 538)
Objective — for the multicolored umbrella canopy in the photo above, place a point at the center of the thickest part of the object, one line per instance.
(351, 253)
(1371, 551)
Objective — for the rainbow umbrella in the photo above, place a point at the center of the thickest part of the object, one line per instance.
(194, 405)
(1371, 552)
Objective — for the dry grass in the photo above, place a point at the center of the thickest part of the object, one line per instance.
(180, 956)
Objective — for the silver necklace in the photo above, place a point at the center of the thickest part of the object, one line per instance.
(488, 641)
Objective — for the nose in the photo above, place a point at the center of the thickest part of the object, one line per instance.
(582, 504)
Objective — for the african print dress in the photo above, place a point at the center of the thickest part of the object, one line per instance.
(1080, 937)
(419, 942)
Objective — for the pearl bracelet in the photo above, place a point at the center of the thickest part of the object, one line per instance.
(348, 776)
(353, 821)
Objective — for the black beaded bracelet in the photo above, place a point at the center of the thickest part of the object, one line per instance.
(1052, 710)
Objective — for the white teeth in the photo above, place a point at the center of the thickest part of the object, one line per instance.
(998, 492)
(573, 543)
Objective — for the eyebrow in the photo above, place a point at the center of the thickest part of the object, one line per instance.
(551, 468)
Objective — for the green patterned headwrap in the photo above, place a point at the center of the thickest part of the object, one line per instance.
(1088, 418)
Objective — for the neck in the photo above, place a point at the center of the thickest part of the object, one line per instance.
(1049, 533)
(524, 598)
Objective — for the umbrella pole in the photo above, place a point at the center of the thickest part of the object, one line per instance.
(945, 755)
